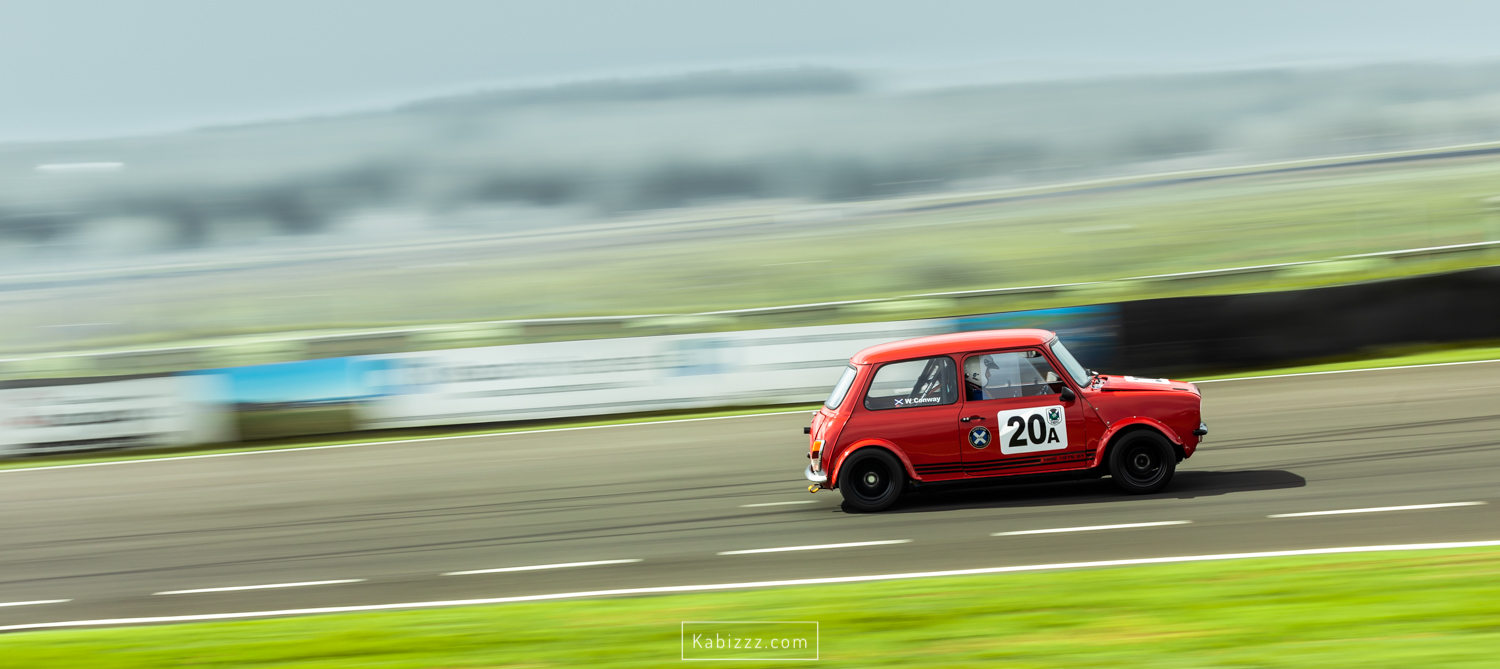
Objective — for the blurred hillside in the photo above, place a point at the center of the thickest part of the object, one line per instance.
(502, 162)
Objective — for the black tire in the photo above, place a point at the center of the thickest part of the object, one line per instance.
(1142, 462)
(871, 480)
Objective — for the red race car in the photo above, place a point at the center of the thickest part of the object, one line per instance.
(986, 406)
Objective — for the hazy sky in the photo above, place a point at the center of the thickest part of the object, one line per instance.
(76, 69)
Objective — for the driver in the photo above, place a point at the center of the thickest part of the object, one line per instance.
(973, 382)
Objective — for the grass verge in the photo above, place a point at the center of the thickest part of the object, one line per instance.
(760, 255)
(1401, 610)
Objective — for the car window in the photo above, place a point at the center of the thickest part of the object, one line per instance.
(994, 376)
(913, 383)
(841, 389)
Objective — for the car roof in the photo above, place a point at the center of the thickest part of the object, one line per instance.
(948, 344)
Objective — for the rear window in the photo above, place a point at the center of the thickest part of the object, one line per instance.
(914, 383)
(841, 389)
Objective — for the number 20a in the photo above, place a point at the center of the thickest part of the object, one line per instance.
(1033, 427)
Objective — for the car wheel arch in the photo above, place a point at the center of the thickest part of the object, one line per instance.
(1117, 432)
(837, 466)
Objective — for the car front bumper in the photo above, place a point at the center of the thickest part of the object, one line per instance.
(810, 475)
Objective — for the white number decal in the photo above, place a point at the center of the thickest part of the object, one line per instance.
(1033, 429)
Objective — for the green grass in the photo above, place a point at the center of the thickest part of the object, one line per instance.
(761, 254)
(1396, 610)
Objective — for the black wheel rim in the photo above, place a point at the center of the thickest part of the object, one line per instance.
(871, 479)
(1142, 463)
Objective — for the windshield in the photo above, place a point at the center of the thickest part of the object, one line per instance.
(840, 390)
(1069, 363)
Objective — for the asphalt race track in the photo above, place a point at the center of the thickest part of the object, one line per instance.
(387, 522)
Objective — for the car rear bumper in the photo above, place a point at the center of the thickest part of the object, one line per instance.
(814, 477)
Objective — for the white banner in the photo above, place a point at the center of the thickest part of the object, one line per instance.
(579, 378)
(133, 413)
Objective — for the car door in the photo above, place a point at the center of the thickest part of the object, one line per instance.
(1015, 420)
(914, 405)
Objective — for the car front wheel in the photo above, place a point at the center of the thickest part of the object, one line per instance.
(1142, 463)
(871, 480)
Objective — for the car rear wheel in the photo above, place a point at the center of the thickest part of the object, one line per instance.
(871, 480)
(1142, 463)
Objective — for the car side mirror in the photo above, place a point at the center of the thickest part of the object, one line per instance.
(1067, 394)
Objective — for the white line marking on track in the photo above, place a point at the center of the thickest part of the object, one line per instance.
(670, 589)
(1091, 528)
(751, 506)
(268, 586)
(561, 565)
(1376, 509)
(390, 442)
(1349, 371)
(35, 602)
(818, 547)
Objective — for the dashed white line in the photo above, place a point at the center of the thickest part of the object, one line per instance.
(1375, 509)
(745, 586)
(35, 602)
(534, 567)
(752, 506)
(1091, 528)
(818, 547)
(268, 586)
